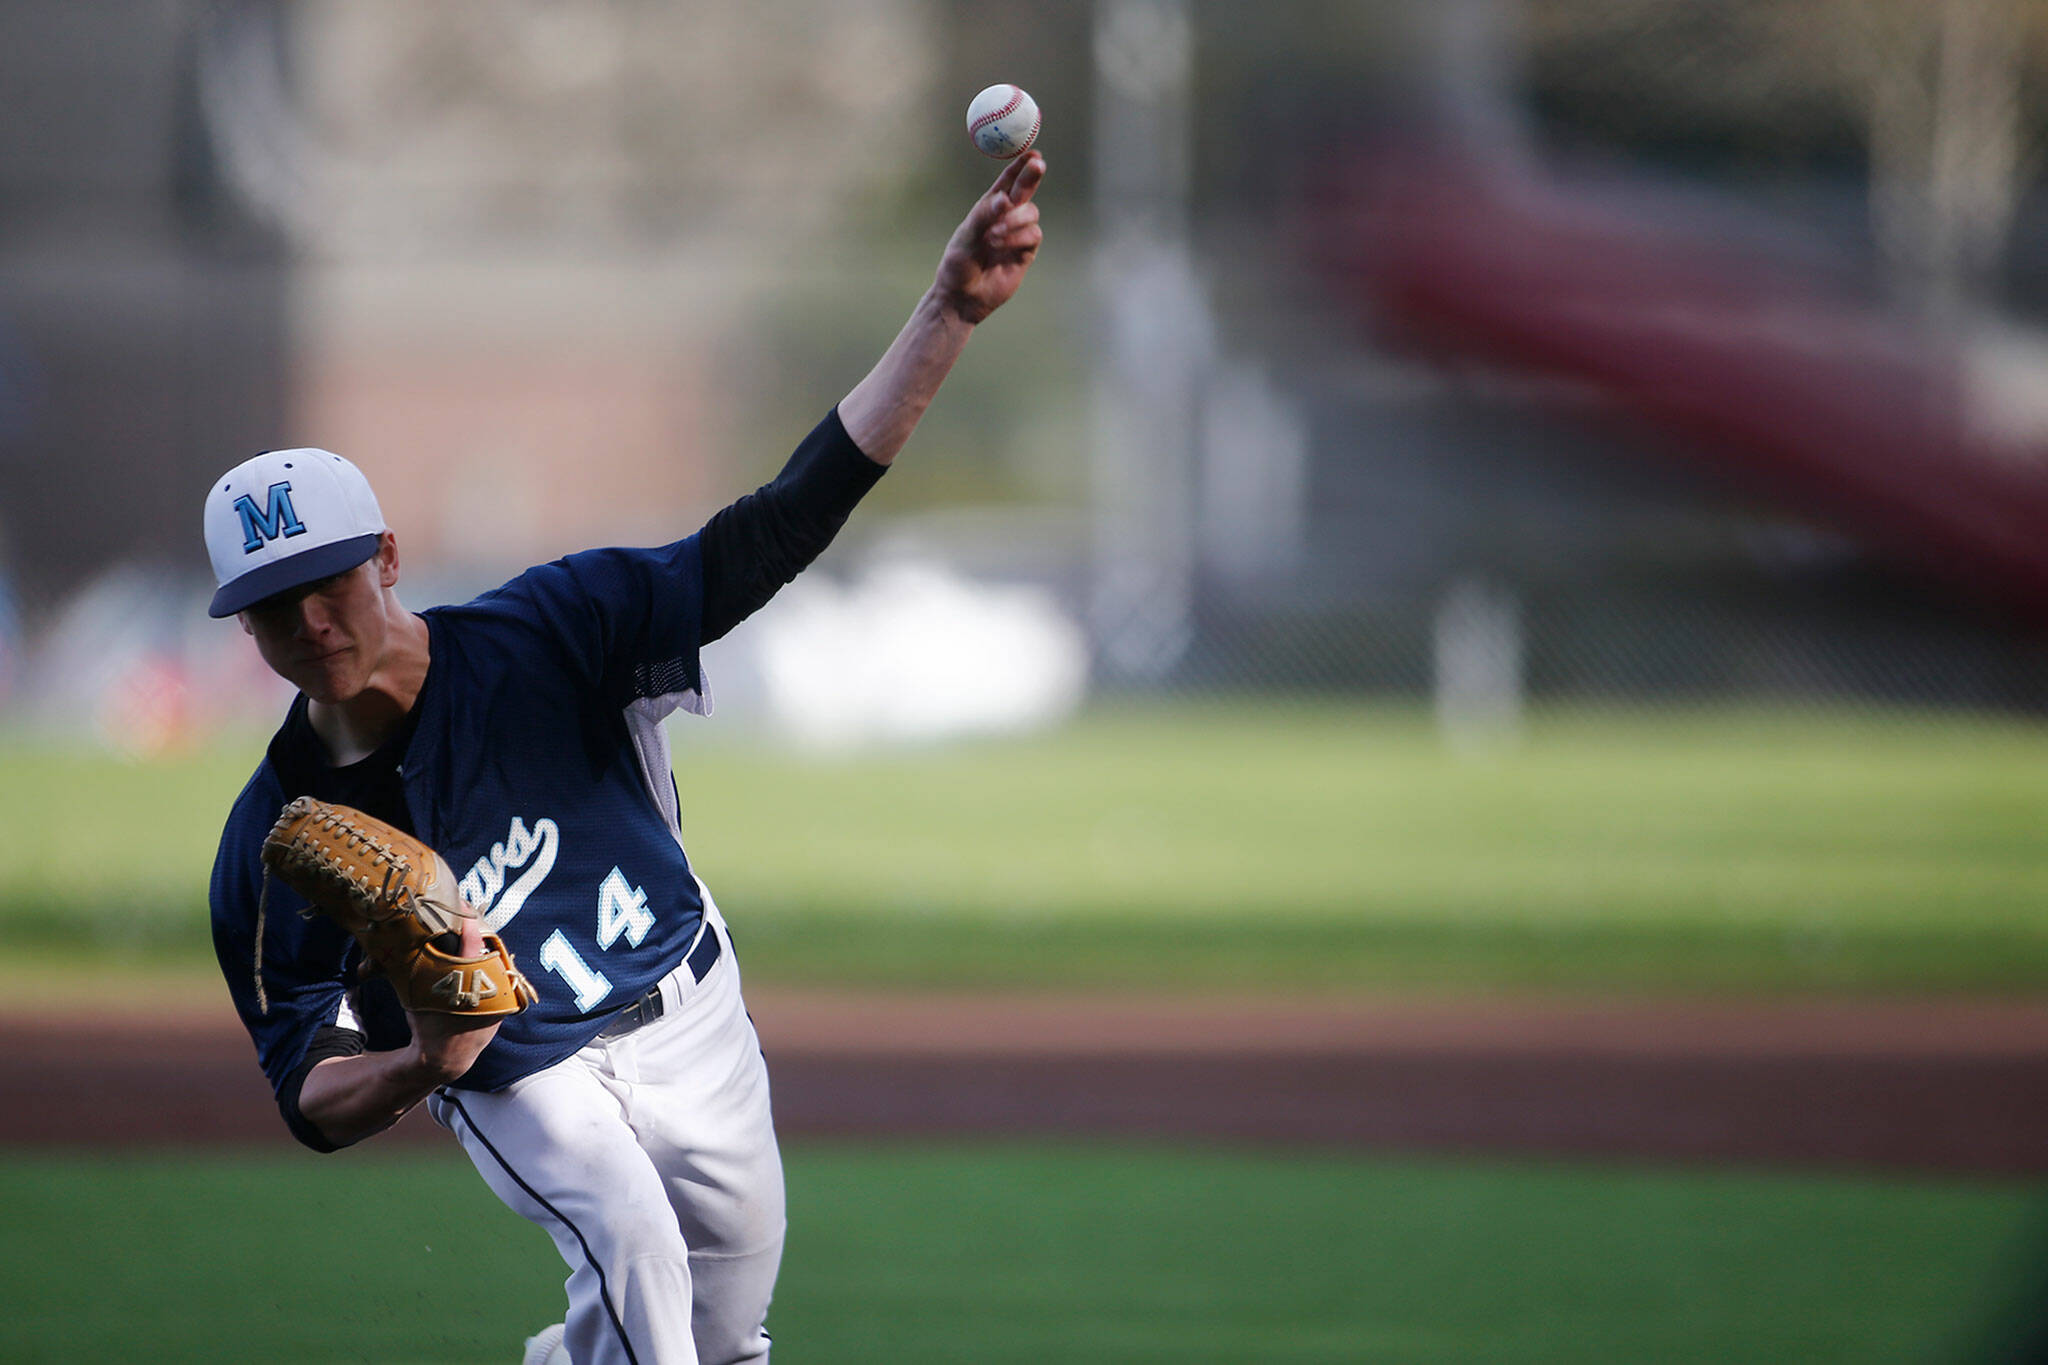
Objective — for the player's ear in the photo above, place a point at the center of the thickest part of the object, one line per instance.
(247, 628)
(387, 560)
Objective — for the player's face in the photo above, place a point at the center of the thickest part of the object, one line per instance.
(327, 637)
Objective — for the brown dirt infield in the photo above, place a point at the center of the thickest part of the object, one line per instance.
(1926, 1085)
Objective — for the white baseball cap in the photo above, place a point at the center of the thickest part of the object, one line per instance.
(287, 518)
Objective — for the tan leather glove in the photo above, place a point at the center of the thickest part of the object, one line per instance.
(398, 898)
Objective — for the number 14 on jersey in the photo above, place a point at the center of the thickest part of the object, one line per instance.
(621, 910)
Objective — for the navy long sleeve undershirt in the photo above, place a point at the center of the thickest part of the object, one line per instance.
(758, 544)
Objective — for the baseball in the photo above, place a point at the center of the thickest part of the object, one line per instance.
(1003, 121)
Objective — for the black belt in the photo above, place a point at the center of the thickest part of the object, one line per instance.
(648, 1007)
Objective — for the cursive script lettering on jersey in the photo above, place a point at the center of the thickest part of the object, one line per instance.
(528, 852)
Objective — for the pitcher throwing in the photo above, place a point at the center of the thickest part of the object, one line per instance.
(520, 737)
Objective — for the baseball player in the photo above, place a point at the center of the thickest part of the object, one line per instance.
(520, 735)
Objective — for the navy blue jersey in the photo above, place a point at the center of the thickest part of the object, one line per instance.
(538, 766)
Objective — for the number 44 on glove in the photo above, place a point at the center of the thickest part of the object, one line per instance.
(398, 898)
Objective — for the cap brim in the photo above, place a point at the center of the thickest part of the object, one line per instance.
(281, 575)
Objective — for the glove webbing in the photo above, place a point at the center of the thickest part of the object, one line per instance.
(304, 856)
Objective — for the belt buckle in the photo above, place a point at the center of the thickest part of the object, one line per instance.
(645, 1010)
(648, 1008)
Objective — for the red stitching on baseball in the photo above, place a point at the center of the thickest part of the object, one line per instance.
(993, 115)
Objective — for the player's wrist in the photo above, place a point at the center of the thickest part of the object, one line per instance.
(415, 1072)
(951, 308)
(425, 1066)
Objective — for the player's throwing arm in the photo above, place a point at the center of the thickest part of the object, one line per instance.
(982, 267)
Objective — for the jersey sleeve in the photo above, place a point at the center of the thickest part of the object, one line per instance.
(632, 620)
(294, 985)
(627, 620)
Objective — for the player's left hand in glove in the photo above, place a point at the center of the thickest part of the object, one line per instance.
(398, 898)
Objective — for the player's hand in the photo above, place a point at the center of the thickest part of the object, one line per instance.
(994, 245)
(449, 1044)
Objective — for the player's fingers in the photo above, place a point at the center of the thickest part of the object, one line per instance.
(1003, 232)
(1029, 170)
(1014, 187)
(1025, 239)
(1007, 180)
(987, 210)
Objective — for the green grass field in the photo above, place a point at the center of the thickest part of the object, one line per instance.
(1176, 846)
(1186, 844)
(1021, 1254)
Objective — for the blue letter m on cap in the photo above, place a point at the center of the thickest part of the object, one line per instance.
(276, 519)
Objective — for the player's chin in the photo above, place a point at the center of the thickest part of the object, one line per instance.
(329, 682)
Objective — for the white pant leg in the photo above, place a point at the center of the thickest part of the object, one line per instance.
(699, 1104)
(557, 1150)
(651, 1161)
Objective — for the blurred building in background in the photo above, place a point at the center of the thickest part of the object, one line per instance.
(1478, 353)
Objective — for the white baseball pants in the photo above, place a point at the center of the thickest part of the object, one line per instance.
(650, 1158)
